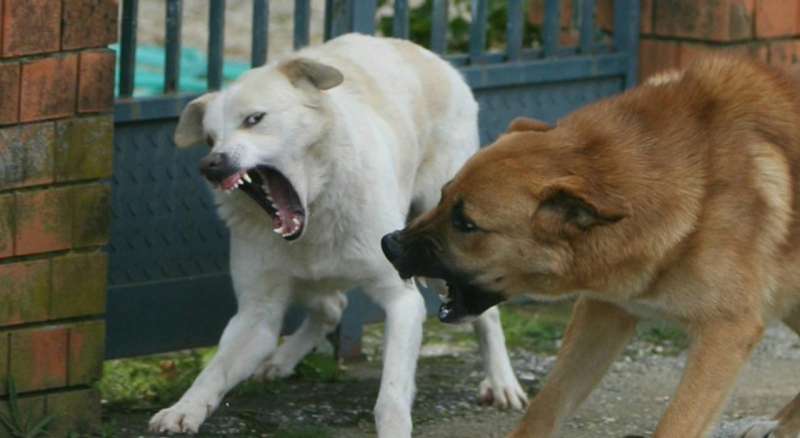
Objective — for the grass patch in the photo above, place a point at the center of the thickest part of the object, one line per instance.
(536, 327)
(670, 339)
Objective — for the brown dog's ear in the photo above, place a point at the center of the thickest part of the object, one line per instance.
(527, 124)
(190, 126)
(321, 76)
(567, 204)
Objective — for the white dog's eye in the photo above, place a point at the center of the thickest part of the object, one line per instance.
(253, 119)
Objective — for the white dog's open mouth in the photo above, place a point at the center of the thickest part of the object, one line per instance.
(275, 194)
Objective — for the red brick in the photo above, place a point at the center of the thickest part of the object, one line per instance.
(6, 226)
(86, 352)
(723, 20)
(646, 19)
(656, 56)
(26, 155)
(39, 358)
(84, 147)
(9, 83)
(75, 412)
(92, 215)
(3, 362)
(784, 52)
(31, 26)
(775, 18)
(26, 292)
(44, 221)
(89, 23)
(79, 285)
(48, 88)
(96, 81)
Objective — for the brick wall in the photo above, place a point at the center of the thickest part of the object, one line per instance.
(676, 31)
(56, 128)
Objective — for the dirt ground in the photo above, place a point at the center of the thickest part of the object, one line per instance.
(629, 401)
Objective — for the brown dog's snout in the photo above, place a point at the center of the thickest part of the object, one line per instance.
(390, 244)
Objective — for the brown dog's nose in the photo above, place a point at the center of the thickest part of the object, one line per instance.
(216, 167)
(390, 244)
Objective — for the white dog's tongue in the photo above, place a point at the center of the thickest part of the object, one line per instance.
(287, 221)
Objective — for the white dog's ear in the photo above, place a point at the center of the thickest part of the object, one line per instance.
(190, 126)
(321, 76)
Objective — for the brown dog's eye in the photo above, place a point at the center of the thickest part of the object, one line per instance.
(460, 221)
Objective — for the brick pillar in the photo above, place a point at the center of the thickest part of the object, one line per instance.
(56, 130)
(676, 31)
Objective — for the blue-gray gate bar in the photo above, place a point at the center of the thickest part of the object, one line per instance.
(260, 42)
(216, 43)
(127, 55)
(439, 27)
(302, 22)
(172, 64)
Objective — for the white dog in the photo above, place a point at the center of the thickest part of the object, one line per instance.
(314, 158)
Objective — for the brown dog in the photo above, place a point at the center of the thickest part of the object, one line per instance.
(678, 199)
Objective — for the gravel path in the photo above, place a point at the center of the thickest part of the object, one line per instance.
(629, 401)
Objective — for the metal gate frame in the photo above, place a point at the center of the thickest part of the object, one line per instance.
(169, 288)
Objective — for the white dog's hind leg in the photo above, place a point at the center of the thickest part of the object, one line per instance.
(324, 313)
(500, 387)
(405, 313)
(247, 340)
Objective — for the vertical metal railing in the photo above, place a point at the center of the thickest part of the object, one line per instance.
(514, 29)
(172, 64)
(587, 26)
(343, 16)
(127, 55)
(260, 39)
(439, 25)
(477, 30)
(401, 19)
(302, 23)
(552, 26)
(216, 43)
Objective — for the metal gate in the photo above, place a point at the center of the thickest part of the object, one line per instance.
(169, 286)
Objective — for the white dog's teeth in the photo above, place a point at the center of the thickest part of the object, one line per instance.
(277, 230)
(247, 178)
(296, 221)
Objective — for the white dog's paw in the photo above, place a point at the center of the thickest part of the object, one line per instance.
(182, 417)
(273, 370)
(502, 393)
(759, 429)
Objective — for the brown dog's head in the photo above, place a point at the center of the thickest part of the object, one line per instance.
(508, 223)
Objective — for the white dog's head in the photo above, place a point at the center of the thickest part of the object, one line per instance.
(261, 131)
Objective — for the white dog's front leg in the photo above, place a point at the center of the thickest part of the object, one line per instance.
(405, 313)
(500, 387)
(250, 336)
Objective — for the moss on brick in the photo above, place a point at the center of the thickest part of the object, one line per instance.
(3, 362)
(74, 412)
(86, 351)
(84, 148)
(79, 285)
(92, 215)
(26, 155)
(6, 225)
(26, 292)
(39, 358)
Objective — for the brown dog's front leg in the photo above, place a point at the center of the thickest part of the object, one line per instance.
(596, 334)
(718, 351)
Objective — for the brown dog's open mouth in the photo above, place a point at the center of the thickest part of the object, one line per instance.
(270, 189)
(464, 300)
